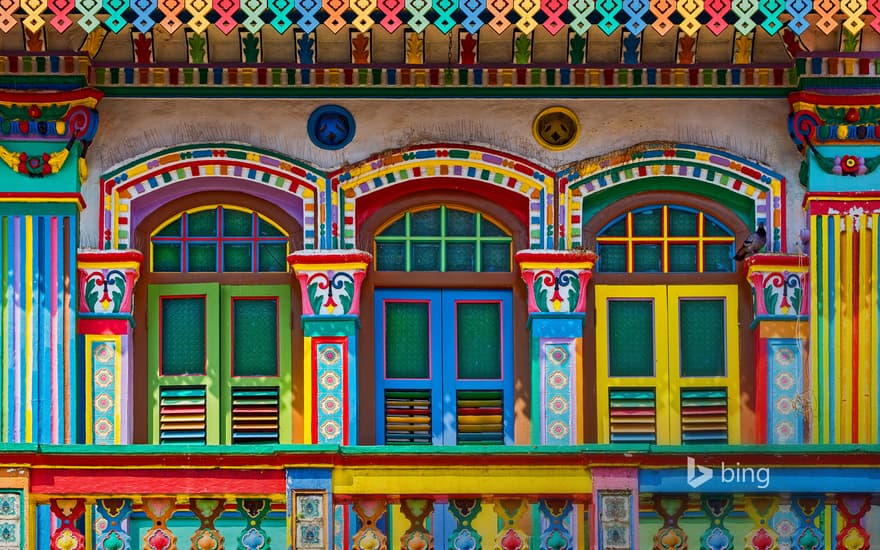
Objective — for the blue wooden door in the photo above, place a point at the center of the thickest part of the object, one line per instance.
(444, 367)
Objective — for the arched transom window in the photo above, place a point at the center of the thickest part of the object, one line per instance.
(665, 239)
(219, 239)
(443, 238)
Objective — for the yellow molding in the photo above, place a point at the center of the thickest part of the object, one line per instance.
(552, 264)
(476, 480)
(306, 267)
(784, 329)
(109, 264)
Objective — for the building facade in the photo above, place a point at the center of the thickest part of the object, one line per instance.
(372, 274)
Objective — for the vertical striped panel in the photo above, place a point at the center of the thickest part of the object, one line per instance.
(37, 351)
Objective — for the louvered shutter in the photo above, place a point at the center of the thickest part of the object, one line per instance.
(255, 415)
(407, 417)
(704, 416)
(182, 415)
(633, 415)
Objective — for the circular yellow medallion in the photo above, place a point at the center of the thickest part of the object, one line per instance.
(556, 128)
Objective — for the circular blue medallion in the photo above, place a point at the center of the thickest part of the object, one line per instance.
(331, 127)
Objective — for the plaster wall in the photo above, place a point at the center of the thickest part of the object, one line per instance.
(752, 128)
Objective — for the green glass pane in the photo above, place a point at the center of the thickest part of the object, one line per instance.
(254, 337)
(460, 223)
(238, 257)
(495, 257)
(171, 230)
(425, 256)
(648, 222)
(703, 349)
(407, 340)
(682, 257)
(396, 229)
(631, 337)
(461, 257)
(202, 224)
(711, 228)
(718, 258)
(268, 230)
(489, 229)
(647, 258)
(391, 256)
(682, 223)
(425, 223)
(202, 257)
(612, 258)
(166, 257)
(273, 257)
(183, 336)
(237, 224)
(617, 229)
(478, 328)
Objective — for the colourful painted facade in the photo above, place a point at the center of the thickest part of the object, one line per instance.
(371, 274)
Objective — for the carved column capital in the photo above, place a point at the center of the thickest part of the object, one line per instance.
(330, 280)
(556, 279)
(106, 287)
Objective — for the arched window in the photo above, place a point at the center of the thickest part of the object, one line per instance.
(219, 238)
(668, 307)
(665, 239)
(443, 239)
(218, 318)
(443, 326)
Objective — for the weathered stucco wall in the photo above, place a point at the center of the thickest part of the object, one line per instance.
(753, 128)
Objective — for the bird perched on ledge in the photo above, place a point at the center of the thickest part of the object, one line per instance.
(752, 244)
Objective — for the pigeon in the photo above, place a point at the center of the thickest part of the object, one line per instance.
(752, 244)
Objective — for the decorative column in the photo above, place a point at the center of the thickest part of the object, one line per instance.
(106, 287)
(330, 281)
(556, 282)
(43, 139)
(781, 304)
(615, 508)
(839, 136)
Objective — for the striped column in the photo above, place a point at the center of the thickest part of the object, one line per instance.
(106, 286)
(556, 282)
(330, 282)
(781, 305)
(38, 363)
(845, 301)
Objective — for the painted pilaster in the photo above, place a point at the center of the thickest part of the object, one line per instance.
(309, 506)
(838, 135)
(781, 305)
(43, 139)
(106, 289)
(330, 282)
(616, 508)
(556, 282)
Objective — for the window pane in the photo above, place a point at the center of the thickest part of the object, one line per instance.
(648, 257)
(478, 329)
(631, 337)
(718, 257)
(489, 229)
(273, 257)
(237, 257)
(616, 230)
(407, 340)
(682, 223)
(682, 257)
(703, 349)
(425, 223)
(255, 337)
(648, 222)
(461, 257)
(170, 230)
(425, 256)
(202, 257)
(713, 229)
(202, 224)
(612, 257)
(237, 224)
(166, 257)
(460, 223)
(269, 230)
(495, 257)
(391, 256)
(396, 229)
(183, 336)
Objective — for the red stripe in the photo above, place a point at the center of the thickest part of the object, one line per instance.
(162, 480)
